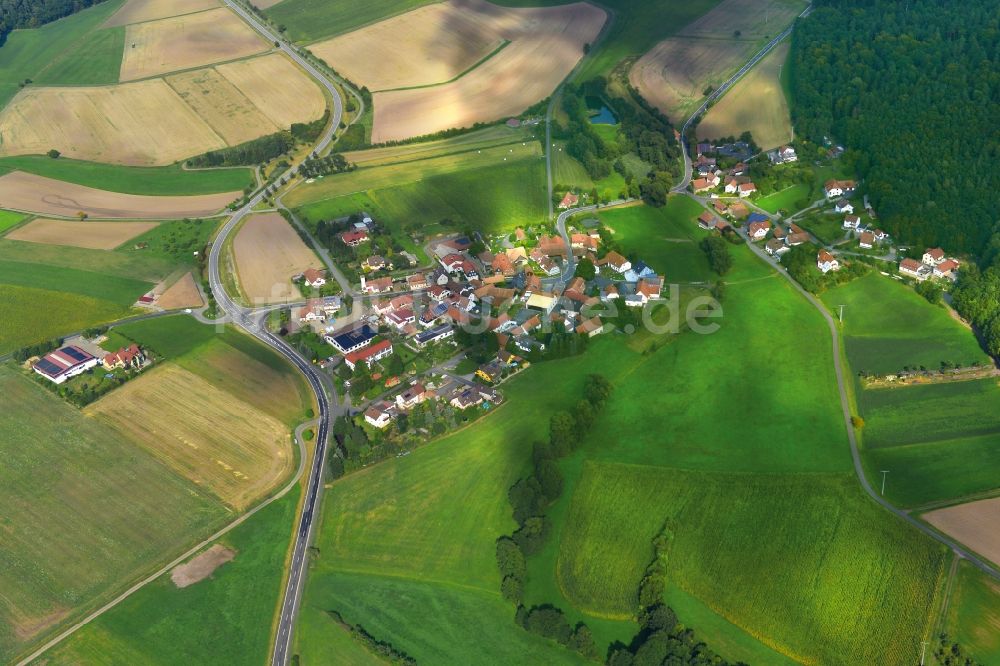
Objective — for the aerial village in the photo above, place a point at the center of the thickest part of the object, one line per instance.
(731, 197)
(515, 291)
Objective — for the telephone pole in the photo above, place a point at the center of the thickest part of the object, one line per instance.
(841, 307)
(923, 651)
(884, 472)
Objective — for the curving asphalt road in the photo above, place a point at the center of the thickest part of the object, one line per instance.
(256, 327)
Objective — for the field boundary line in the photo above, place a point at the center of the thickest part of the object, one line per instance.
(55, 640)
(504, 43)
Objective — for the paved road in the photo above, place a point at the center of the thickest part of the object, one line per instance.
(845, 406)
(256, 327)
(719, 92)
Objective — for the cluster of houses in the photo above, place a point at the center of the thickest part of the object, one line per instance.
(868, 238)
(783, 155)
(460, 395)
(933, 264)
(710, 177)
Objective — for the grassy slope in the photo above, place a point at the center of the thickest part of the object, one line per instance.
(681, 261)
(805, 562)
(492, 199)
(974, 614)
(220, 620)
(174, 242)
(785, 199)
(887, 326)
(310, 20)
(31, 315)
(85, 508)
(130, 264)
(153, 181)
(120, 290)
(27, 52)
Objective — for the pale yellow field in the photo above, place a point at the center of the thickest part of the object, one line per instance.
(147, 123)
(181, 294)
(28, 192)
(674, 74)
(975, 524)
(143, 123)
(221, 105)
(137, 11)
(205, 434)
(756, 103)
(441, 41)
(93, 235)
(276, 86)
(545, 45)
(268, 253)
(184, 42)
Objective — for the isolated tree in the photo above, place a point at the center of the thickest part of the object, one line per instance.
(585, 269)
(54, 154)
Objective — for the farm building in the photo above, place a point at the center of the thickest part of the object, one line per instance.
(64, 363)
(369, 354)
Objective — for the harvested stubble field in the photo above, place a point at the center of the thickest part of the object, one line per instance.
(93, 235)
(138, 11)
(183, 42)
(546, 44)
(221, 105)
(207, 435)
(147, 123)
(674, 74)
(268, 253)
(441, 41)
(23, 191)
(201, 566)
(85, 511)
(973, 524)
(757, 103)
(181, 294)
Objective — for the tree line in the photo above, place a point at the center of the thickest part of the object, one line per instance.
(249, 153)
(911, 88)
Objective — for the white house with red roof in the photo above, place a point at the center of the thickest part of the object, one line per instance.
(314, 277)
(369, 355)
(64, 363)
(569, 201)
(826, 262)
(933, 256)
(946, 269)
(914, 269)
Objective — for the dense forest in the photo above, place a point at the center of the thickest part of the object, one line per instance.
(16, 14)
(912, 89)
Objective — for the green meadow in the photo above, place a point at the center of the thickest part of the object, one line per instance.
(804, 562)
(123, 263)
(224, 619)
(665, 238)
(311, 20)
(9, 219)
(74, 47)
(974, 614)
(787, 199)
(56, 562)
(174, 242)
(888, 326)
(492, 199)
(31, 315)
(153, 181)
(930, 413)
(119, 290)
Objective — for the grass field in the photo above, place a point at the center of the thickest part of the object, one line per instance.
(119, 290)
(935, 471)
(27, 53)
(493, 199)
(665, 238)
(787, 199)
(888, 326)
(974, 614)
(9, 218)
(756, 104)
(488, 137)
(804, 562)
(205, 623)
(25, 321)
(85, 511)
(412, 171)
(166, 180)
(174, 242)
(309, 20)
(94, 61)
(122, 263)
(930, 413)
